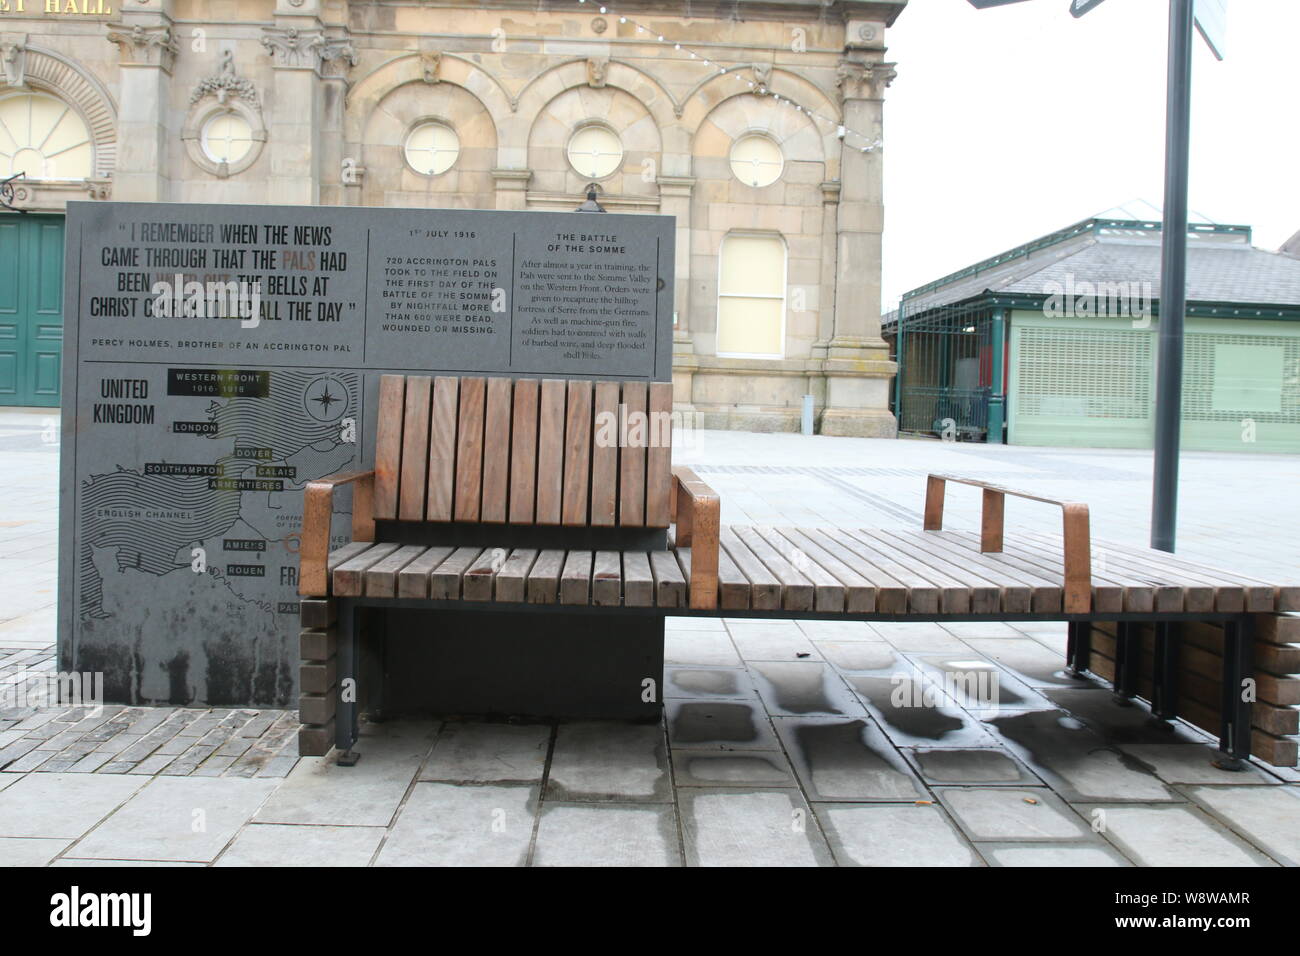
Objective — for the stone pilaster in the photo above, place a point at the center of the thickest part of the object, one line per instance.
(675, 200)
(858, 370)
(512, 187)
(306, 103)
(147, 49)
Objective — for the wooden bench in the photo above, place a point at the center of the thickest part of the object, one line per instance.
(559, 497)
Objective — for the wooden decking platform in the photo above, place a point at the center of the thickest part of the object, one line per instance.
(891, 573)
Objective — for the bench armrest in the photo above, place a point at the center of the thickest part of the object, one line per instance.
(1077, 560)
(696, 510)
(317, 511)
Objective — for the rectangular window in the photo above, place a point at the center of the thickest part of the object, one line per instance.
(751, 297)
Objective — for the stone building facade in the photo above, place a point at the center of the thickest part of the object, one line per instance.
(756, 123)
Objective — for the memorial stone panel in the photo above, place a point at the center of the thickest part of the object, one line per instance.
(217, 358)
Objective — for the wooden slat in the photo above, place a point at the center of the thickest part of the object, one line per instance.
(607, 579)
(888, 595)
(1046, 593)
(575, 578)
(764, 588)
(511, 583)
(442, 448)
(631, 456)
(496, 451)
(670, 583)
(1278, 628)
(733, 586)
(523, 452)
(445, 581)
(415, 448)
(1107, 595)
(923, 595)
(659, 455)
(604, 456)
(347, 577)
(413, 580)
(388, 444)
(380, 579)
(577, 453)
(638, 582)
(797, 592)
(476, 583)
(1138, 594)
(550, 452)
(980, 596)
(828, 591)
(992, 589)
(544, 577)
(469, 449)
(348, 551)
(859, 593)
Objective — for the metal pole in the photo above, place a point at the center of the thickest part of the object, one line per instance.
(1173, 277)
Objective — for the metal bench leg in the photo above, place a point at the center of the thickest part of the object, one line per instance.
(1078, 650)
(346, 718)
(1164, 685)
(1128, 662)
(1234, 712)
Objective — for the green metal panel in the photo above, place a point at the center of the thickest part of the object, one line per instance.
(1090, 382)
(31, 309)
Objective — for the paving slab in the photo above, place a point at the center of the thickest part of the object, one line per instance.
(708, 683)
(980, 766)
(751, 828)
(978, 685)
(914, 711)
(804, 688)
(840, 631)
(1191, 763)
(849, 760)
(1051, 854)
(1007, 813)
(273, 844)
(719, 725)
(30, 851)
(480, 752)
(1269, 816)
(1028, 659)
(61, 804)
(607, 835)
(1077, 763)
(756, 769)
(700, 648)
(771, 641)
(1172, 835)
(441, 824)
(1096, 707)
(176, 818)
(894, 835)
(859, 655)
(609, 760)
(320, 791)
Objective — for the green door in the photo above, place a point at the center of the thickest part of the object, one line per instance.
(31, 309)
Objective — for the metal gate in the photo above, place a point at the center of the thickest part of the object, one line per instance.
(945, 370)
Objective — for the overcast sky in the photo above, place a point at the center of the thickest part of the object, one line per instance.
(1009, 123)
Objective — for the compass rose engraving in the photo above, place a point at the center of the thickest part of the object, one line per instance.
(326, 399)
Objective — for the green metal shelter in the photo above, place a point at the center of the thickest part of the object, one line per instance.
(1054, 343)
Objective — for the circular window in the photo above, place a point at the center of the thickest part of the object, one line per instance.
(227, 138)
(44, 137)
(756, 160)
(595, 152)
(432, 148)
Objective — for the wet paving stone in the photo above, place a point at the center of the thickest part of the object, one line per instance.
(756, 769)
(983, 766)
(1096, 707)
(978, 685)
(1077, 763)
(1028, 660)
(609, 761)
(710, 683)
(719, 725)
(859, 655)
(799, 688)
(849, 760)
(914, 711)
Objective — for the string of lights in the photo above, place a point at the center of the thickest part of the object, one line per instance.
(869, 143)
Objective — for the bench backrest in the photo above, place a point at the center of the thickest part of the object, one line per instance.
(523, 451)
